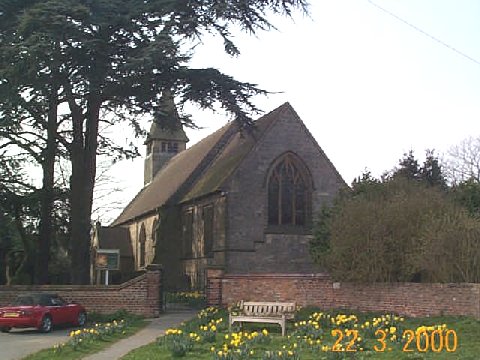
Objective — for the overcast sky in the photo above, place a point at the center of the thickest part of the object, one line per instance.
(367, 85)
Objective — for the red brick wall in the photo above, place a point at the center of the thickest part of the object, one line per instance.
(140, 295)
(411, 299)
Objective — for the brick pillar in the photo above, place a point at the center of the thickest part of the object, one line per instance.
(154, 289)
(214, 286)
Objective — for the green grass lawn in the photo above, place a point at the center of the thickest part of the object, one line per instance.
(100, 332)
(310, 337)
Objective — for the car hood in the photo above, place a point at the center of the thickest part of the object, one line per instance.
(16, 308)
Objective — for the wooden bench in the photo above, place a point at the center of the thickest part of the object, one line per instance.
(263, 312)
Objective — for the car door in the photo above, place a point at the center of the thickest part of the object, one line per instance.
(60, 310)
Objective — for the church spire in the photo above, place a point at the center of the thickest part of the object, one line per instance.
(165, 139)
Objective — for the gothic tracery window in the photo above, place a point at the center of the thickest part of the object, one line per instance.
(288, 192)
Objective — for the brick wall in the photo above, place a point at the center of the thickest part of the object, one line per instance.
(140, 295)
(411, 299)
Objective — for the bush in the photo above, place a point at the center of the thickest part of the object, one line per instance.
(395, 231)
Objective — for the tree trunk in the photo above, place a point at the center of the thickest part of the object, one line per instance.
(83, 158)
(47, 196)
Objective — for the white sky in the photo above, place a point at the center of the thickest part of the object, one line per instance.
(368, 86)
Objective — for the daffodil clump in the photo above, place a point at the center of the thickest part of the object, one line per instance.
(80, 337)
(281, 355)
(239, 345)
(209, 332)
(191, 298)
(203, 329)
(179, 342)
(208, 313)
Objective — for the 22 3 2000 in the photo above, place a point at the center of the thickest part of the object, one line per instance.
(422, 341)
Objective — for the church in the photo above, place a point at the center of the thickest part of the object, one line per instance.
(243, 201)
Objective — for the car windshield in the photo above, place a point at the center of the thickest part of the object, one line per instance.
(24, 301)
(39, 299)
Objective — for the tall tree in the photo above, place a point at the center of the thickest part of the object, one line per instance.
(408, 167)
(120, 56)
(430, 172)
(18, 209)
(33, 132)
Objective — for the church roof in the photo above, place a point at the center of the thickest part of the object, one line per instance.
(228, 160)
(201, 169)
(171, 177)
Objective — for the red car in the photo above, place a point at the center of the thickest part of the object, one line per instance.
(42, 311)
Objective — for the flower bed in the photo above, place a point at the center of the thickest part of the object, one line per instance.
(193, 299)
(93, 338)
(317, 335)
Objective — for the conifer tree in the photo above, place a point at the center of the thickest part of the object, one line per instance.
(118, 57)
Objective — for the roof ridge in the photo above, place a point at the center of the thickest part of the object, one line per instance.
(260, 137)
(208, 159)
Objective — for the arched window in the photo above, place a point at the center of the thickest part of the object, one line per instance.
(289, 192)
(142, 238)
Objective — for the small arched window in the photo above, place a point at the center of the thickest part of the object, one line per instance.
(142, 239)
(289, 192)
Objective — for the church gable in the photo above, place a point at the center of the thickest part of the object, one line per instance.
(265, 232)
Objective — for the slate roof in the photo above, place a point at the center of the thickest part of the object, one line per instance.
(201, 169)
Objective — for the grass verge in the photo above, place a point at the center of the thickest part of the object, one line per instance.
(101, 332)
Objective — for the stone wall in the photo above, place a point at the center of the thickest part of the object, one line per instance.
(410, 299)
(252, 246)
(141, 295)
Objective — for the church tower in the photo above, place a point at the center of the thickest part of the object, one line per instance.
(163, 143)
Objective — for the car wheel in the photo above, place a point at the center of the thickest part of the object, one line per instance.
(5, 329)
(81, 318)
(46, 324)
